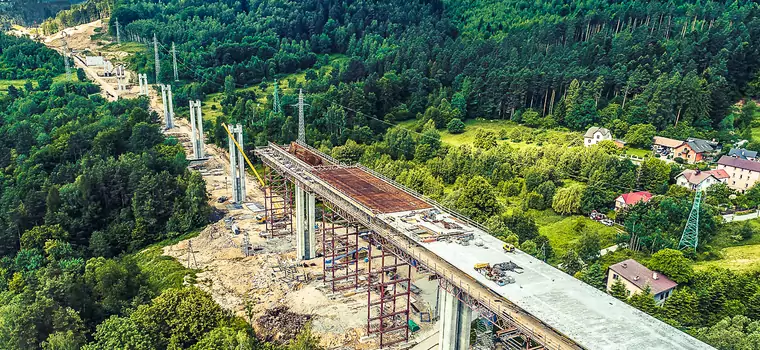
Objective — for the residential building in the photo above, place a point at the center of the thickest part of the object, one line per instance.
(694, 151)
(742, 173)
(742, 153)
(628, 199)
(595, 135)
(637, 277)
(664, 146)
(697, 180)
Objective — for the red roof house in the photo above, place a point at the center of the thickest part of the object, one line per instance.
(632, 198)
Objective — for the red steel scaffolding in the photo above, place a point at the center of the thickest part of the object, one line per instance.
(278, 199)
(388, 295)
(341, 252)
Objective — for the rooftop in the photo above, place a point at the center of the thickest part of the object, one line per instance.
(695, 177)
(635, 197)
(700, 146)
(742, 153)
(666, 142)
(592, 130)
(739, 163)
(641, 276)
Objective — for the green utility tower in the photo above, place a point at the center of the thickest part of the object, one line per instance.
(690, 236)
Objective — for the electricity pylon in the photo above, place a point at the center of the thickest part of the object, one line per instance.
(276, 100)
(690, 237)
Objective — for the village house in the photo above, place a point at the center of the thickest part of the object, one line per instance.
(637, 277)
(628, 199)
(595, 135)
(742, 153)
(665, 146)
(742, 173)
(694, 151)
(697, 180)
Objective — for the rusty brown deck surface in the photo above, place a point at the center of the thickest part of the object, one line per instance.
(371, 191)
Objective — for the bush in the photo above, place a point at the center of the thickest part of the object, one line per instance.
(455, 126)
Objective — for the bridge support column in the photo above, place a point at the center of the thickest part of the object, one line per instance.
(237, 165)
(305, 213)
(455, 319)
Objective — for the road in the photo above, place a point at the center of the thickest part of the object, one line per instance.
(745, 217)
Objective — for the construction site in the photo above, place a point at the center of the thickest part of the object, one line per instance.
(365, 262)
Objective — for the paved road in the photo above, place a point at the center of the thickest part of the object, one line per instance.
(733, 217)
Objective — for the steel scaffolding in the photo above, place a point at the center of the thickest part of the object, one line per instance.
(278, 205)
(388, 310)
(340, 252)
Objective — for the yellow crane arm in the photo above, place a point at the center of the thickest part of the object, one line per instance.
(250, 165)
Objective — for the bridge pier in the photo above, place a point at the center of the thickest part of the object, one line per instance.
(305, 213)
(455, 321)
(237, 165)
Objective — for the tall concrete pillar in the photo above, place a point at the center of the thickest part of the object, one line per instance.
(299, 222)
(165, 104)
(455, 319)
(199, 119)
(306, 236)
(193, 131)
(170, 119)
(237, 164)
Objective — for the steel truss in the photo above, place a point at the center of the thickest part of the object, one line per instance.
(340, 252)
(278, 205)
(390, 282)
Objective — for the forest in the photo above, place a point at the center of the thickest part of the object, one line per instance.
(85, 187)
(671, 68)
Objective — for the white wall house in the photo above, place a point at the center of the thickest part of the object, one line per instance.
(742, 173)
(696, 180)
(595, 135)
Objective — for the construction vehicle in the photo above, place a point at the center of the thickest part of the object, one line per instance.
(479, 266)
(509, 248)
(261, 218)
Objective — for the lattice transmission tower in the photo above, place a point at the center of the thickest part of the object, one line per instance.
(276, 99)
(690, 237)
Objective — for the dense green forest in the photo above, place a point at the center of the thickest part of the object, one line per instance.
(85, 186)
(23, 58)
(674, 68)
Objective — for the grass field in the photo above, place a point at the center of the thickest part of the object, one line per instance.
(638, 152)
(162, 272)
(562, 231)
(739, 258)
(19, 84)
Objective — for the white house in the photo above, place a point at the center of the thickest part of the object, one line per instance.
(697, 180)
(595, 135)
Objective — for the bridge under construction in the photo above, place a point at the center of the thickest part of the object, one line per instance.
(398, 230)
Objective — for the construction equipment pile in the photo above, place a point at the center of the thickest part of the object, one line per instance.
(281, 325)
(498, 272)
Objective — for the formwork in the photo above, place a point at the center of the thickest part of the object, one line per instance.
(369, 190)
(278, 207)
(341, 252)
(388, 295)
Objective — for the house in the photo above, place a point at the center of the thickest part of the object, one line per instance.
(627, 199)
(595, 135)
(664, 146)
(742, 153)
(697, 180)
(742, 173)
(694, 151)
(637, 277)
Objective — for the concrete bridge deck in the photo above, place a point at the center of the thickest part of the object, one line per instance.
(551, 307)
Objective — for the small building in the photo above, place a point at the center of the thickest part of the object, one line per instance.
(628, 199)
(665, 146)
(742, 153)
(619, 143)
(595, 135)
(742, 173)
(697, 180)
(94, 61)
(637, 277)
(694, 151)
